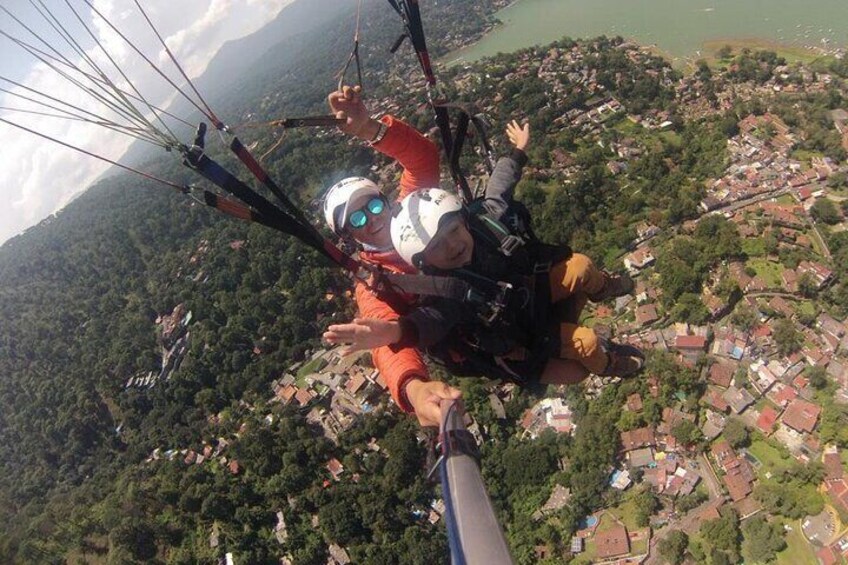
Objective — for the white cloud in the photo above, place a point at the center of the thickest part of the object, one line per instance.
(38, 177)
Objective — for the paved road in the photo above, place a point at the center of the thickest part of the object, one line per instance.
(690, 522)
(713, 486)
(822, 241)
(739, 204)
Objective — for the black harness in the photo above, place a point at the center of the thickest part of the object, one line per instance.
(512, 302)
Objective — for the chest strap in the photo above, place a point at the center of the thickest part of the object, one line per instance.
(487, 304)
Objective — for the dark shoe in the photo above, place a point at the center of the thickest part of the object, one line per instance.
(615, 285)
(624, 360)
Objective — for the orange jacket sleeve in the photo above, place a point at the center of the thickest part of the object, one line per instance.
(397, 367)
(418, 156)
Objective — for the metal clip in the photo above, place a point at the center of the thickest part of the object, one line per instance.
(499, 302)
(510, 243)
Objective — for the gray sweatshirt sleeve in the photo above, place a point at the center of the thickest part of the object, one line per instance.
(500, 190)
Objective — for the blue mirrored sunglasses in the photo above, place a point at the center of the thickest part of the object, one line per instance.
(358, 219)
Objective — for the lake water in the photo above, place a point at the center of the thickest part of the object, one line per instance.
(677, 27)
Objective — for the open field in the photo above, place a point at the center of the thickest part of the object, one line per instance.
(769, 271)
(772, 458)
(804, 156)
(307, 369)
(626, 512)
(785, 199)
(790, 53)
(805, 307)
(754, 247)
(798, 551)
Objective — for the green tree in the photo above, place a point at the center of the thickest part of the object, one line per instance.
(137, 537)
(646, 504)
(825, 211)
(807, 285)
(736, 433)
(689, 308)
(629, 421)
(723, 536)
(834, 424)
(787, 337)
(837, 180)
(770, 242)
(792, 500)
(690, 501)
(686, 432)
(673, 547)
(762, 540)
(817, 376)
(745, 317)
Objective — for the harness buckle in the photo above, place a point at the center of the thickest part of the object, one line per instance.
(542, 267)
(498, 303)
(510, 243)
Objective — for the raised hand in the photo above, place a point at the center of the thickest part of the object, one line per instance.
(347, 104)
(519, 135)
(363, 333)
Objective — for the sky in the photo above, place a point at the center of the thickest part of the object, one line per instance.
(38, 177)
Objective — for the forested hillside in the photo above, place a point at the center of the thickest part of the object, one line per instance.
(81, 296)
(141, 333)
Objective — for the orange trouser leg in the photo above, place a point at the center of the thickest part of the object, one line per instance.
(573, 280)
(563, 372)
(581, 344)
(576, 275)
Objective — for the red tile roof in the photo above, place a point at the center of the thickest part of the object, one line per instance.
(334, 466)
(381, 382)
(737, 486)
(833, 466)
(355, 384)
(634, 402)
(786, 395)
(635, 439)
(303, 396)
(827, 556)
(762, 331)
(646, 314)
(612, 543)
(690, 342)
(801, 415)
(715, 398)
(721, 374)
(838, 492)
(767, 420)
(286, 393)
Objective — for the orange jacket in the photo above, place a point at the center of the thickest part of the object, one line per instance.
(419, 158)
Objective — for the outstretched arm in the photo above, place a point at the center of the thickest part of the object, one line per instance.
(501, 187)
(364, 333)
(422, 326)
(403, 368)
(418, 156)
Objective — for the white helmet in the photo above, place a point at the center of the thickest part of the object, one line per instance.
(338, 199)
(417, 221)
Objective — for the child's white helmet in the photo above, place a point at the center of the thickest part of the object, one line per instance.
(418, 219)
